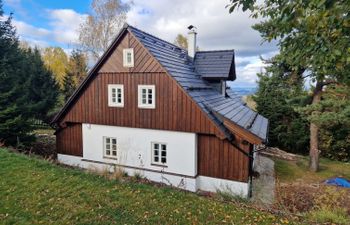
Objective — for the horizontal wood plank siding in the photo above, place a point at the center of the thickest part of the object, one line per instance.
(69, 140)
(220, 159)
(175, 110)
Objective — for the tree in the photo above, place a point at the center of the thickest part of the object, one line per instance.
(75, 74)
(56, 60)
(69, 85)
(78, 65)
(311, 34)
(280, 92)
(101, 25)
(334, 121)
(12, 123)
(181, 41)
(43, 89)
(27, 89)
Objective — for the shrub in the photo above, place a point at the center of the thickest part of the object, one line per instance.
(138, 176)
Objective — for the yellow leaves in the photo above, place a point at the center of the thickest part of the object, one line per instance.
(284, 221)
(56, 60)
(346, 23)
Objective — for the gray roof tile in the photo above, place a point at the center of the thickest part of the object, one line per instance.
(212, 63)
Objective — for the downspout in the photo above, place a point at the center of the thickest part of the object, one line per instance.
(250, 173)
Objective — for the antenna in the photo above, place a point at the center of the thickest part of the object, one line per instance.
(191, 27)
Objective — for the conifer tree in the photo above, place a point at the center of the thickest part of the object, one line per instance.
(27, 90)
(75, 73)
(280, 92)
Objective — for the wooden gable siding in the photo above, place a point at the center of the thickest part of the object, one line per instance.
(143, 61)
(175, 110)
(69, 140)
(220, 159)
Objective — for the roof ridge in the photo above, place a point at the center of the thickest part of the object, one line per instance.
(223, 50)
(152, 35)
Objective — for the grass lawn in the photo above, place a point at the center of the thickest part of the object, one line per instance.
(288, 171)
(34, 191)
(302, 191)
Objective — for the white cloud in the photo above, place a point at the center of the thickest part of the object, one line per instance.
(63, 29)
(248, 67)
(217, 29)
(65, 24)
(31, 32)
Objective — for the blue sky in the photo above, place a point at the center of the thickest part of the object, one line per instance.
(55, 23)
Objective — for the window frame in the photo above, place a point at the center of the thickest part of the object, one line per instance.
(159, 163)
(110, 156)
(125, 57)
(140, 97)
(110, 97)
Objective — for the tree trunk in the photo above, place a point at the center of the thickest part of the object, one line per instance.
(314, 141)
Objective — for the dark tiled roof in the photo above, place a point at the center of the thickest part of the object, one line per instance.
(215, 65)
(181, 67)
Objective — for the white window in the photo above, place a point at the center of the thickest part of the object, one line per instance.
(110, 147)
(146, 96)
(116, 95)
(159, 153)
(128, 57)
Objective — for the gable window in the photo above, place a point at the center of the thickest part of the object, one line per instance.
(128, 57)
(116, 95)
(110, 147)
(146, 96)
(159, 153)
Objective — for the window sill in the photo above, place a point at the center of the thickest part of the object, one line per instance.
(116, 106)
(146, 107)
(110, 157)
(159, 165)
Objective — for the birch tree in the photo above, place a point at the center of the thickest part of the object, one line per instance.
(104, 21)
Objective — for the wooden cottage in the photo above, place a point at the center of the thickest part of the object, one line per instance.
(152, 108)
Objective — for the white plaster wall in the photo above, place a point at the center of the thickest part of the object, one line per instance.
(70, 160)
(214, 184)
(191, 184)
(181, 182)
(134, 147)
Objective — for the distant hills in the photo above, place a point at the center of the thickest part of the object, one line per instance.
(244, 90)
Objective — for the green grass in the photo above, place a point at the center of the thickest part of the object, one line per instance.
(33, 191)
(330, 216)
(287, 171)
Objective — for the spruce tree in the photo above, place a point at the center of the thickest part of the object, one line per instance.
(75, 74)
(69, 85)
(12, 85)
(26, 88)
(43, 89)
(280, 92)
